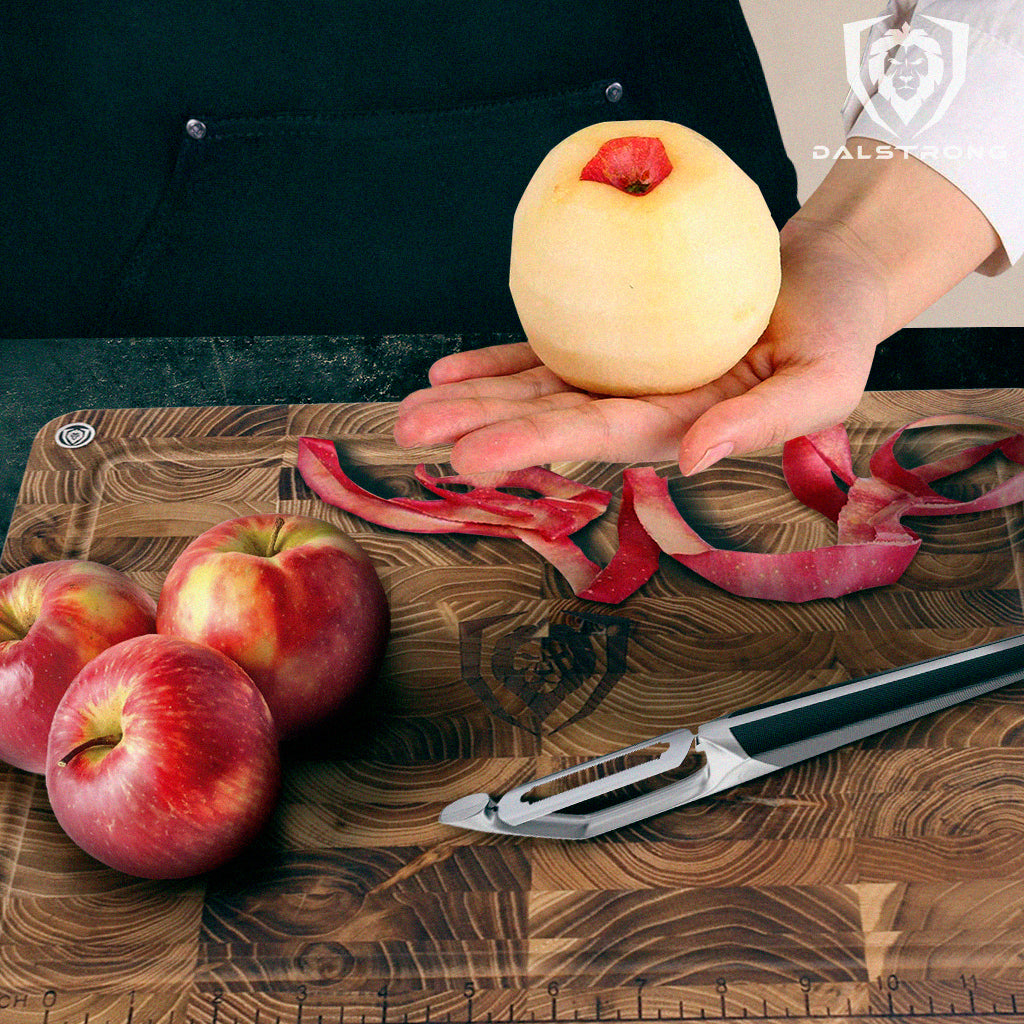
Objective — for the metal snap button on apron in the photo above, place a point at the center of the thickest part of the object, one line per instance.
(196, 129)
(613, 93)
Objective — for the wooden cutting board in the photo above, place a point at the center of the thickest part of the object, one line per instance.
(883, 878)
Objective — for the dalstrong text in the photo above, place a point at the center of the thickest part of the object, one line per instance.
(890, 151)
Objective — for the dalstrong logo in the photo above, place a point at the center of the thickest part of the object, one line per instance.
(75, 435)
(906, 76)
(543, 676)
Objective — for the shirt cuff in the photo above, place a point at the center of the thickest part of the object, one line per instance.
(976, 142)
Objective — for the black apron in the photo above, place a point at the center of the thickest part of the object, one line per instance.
(326, 168)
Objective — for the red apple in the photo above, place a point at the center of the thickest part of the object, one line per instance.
(293, 600)
(162, 758)
(54, 618)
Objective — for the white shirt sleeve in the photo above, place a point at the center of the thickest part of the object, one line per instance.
(952, 96)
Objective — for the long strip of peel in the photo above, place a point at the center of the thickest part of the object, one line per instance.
(874, 547)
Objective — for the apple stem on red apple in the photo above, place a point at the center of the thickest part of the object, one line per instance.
(272, 546)
(11, 628)
(110, 740)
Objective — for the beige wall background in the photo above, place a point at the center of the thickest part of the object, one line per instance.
(800, 43)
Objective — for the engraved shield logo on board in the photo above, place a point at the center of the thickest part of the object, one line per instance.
(543, 676)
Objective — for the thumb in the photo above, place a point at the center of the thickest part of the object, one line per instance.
(784, 406)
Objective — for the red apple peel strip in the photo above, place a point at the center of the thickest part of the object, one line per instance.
(318, 464)
(484, 511)
(566, 556)
(781, 576)
(874, 546)
(811, 465)
(558, 510)
(635, 560)
(915, 481)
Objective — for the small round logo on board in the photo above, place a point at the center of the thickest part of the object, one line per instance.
(75, 435)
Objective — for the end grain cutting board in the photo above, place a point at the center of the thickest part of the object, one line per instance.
(886, 877)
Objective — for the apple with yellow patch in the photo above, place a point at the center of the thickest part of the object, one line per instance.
(293, 600)
(644, 259)
(162, 759)
(55, 617)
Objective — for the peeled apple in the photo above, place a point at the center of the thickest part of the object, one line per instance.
(644, 260)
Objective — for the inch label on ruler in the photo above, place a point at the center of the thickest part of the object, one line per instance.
(27, 1002)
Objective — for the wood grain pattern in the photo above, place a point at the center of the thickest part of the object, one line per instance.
(884, 877)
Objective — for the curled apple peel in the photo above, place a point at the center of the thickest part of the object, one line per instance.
(873, 547)
(561, 508)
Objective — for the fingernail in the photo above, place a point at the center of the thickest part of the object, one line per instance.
(710, 457)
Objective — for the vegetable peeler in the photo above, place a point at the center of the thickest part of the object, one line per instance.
(740, 746)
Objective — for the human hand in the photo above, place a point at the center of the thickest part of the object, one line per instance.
(501, 408)
(862, 257)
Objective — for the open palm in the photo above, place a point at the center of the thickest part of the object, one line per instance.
(501, 409)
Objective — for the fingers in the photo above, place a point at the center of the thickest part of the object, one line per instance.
(440, 414)
(524, 386)
(493, 361)
(531, 417)
(501, 409)
(429, 419)
(608, 430)
(792, 402)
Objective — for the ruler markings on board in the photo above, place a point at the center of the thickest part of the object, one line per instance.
(216, 1012)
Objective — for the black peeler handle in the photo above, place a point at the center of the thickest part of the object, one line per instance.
(840, 713)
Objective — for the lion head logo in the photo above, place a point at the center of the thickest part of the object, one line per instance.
(907, 63)
(909, 73)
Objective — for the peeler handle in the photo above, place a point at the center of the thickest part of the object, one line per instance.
(786, 731)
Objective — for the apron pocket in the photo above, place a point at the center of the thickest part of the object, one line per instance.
(327, 223)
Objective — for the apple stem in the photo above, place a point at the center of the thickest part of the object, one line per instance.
(271, 548)
(11, 628)
(110, 740)
(634, 164)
